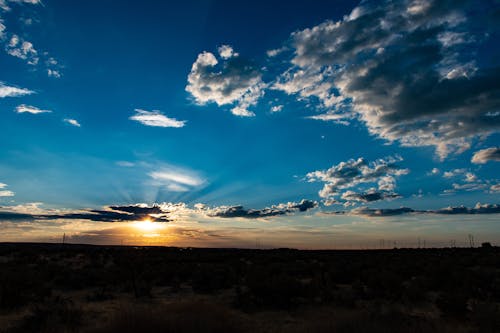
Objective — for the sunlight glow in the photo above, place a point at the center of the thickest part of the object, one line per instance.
(147, 225)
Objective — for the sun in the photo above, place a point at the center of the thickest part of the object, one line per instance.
(147, 225)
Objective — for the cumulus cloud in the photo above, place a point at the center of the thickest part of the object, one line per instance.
(434, 171)
(465, 180)
(381, 212)
(233, 81)
(478, 209)
(22, 49)
(454, 173)
(368, 196)
(226, 52)
(164, 212)
(54, 73)
(156, 119)
(5, 193)
(12, 91)
(405, 69)
(72, 122)
(276, 108)
(341, 179)
(275, 210)
(451, 210)
(485, 155)
(130, 213)
(23, 108)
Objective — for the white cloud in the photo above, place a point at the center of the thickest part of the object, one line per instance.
(354, 174)
(470, 177)
(176, 179)
(277, 108)
(454, 173)
(5, 193)
(235, 82)
(274, 52)
(226, 52)
(2, 28)
(11, 91)
(334, 117)
(54, 73)
(408, 75)
(4, 3)
(73, 122)
(23, 108)
(466, 181)
(22, 49)
(126, 164)
(485, 155)
(156, 118)
(434, 171)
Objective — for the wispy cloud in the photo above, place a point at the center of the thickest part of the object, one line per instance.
(13, 91)
(23, 108)
(176, 179)
(72, 122)
(156, 118)
(4, 3)
(485, 155)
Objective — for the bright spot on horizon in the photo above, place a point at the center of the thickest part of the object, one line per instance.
(147, 225)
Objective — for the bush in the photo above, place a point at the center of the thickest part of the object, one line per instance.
(185, 317)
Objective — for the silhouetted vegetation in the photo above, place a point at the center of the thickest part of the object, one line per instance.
(77, 288)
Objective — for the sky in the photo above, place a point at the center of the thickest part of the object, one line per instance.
(319, 124)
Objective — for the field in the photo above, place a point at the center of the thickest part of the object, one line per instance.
(105, 289)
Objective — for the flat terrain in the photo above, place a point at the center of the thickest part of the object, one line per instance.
(83, 288)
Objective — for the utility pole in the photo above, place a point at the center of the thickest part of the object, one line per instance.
(471, 240)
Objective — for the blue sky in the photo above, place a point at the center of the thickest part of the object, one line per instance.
(309, 112)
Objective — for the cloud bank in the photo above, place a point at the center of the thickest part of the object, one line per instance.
(407, 70)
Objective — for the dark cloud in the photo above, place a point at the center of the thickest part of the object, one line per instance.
(281, 209)
(239, 211)
(12, 216)
(485, 155)
(478, 209)
(111, 214)
(304, 205)
(382, 212)
(135, 209)
(369, 196)
(458, 210)
(408, 69)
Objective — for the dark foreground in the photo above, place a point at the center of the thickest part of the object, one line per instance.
(77, 288)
